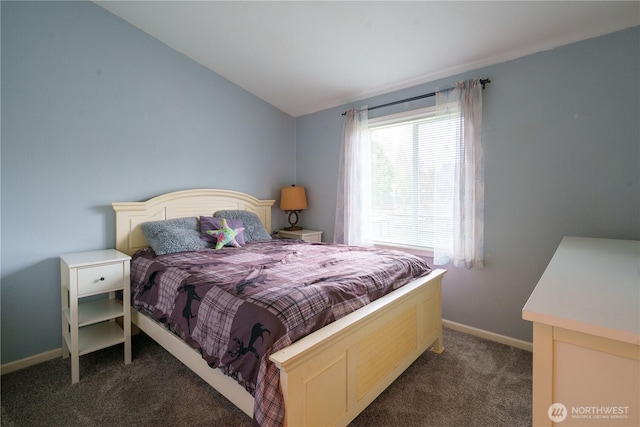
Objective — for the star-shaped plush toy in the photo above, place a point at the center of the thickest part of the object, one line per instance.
(226, 234)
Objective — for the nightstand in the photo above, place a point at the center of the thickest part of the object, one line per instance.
(304, 234)
(90, 324)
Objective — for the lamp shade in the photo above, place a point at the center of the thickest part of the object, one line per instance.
(293, 198)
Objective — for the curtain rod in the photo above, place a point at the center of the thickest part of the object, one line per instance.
(483, 82)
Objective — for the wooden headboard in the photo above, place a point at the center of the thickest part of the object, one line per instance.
(179, 204)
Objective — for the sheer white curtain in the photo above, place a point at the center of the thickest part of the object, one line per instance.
(353, 202)
(460, 189)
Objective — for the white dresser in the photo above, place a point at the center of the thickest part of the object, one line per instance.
(586, 335)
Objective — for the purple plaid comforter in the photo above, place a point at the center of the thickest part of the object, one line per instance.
(237, 306)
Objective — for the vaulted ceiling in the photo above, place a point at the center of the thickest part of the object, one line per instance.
(304, 56)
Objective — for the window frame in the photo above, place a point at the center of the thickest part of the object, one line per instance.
(397, 118)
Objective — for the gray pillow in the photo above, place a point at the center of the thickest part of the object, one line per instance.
(253, 228)
(173, 235)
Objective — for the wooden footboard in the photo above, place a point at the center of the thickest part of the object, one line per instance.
(329, 377)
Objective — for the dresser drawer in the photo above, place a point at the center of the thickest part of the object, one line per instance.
(102, 278)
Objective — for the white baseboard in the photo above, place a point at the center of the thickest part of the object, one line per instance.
(30, 361)
(491, 336)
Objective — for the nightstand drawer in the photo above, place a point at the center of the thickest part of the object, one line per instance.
(102, 278)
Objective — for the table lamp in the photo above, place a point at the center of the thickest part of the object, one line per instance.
(293, 200)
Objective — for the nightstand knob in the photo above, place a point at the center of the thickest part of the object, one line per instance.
(102, 279)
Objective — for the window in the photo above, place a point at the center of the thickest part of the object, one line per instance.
(408, 151)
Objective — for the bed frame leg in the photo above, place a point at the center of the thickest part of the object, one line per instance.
(437, 350)
(437, 347)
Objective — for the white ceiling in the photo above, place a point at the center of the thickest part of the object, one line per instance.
(303, 56)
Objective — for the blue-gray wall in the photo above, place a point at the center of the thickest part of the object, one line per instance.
(562, 151)
(96, 111)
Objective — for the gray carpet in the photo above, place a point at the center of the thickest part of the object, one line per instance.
(473, 383)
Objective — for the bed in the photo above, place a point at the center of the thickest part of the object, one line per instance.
(329, 376)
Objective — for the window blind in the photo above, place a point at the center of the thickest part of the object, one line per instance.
(409, 154)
